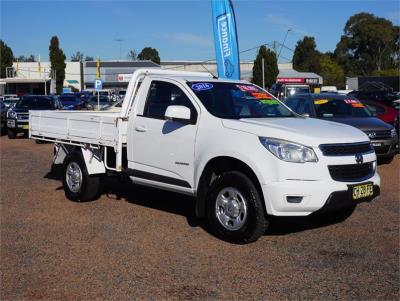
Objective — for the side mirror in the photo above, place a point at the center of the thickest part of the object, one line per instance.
(178, 113)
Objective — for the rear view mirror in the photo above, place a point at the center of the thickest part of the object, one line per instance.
(178, 113)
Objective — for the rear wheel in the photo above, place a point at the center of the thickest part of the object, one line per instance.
(78, 184)
(12, 134)
(234, 208)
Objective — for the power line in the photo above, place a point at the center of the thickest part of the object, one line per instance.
(178, 66)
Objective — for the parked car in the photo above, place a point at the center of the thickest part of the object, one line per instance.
(71, 102)
(104, 103)
(18, 116)
(384, 112)
(121, 94)
(282, 91)
(9, 102)
(84, 96)
(348, 110)
(243, 154)
(384, 97)
(3, 117)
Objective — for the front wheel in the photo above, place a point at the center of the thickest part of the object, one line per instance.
(234, 208)
(78, 184)
(12, 134)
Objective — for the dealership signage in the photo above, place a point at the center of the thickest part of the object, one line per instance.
(124, 77)
(297, 80)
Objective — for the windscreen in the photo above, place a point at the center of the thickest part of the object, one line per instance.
(294, 90)
(38, 103)
(333, 107)
(235, 101)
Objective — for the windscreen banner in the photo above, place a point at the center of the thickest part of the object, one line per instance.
(225, 39)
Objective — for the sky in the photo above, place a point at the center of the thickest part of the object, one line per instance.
(179, 30)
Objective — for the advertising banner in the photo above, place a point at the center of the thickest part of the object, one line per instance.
(225, 39)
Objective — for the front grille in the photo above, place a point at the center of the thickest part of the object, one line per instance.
(376, 135)
(345, 149)
(22, 116)
(351, 172)
(382, 150)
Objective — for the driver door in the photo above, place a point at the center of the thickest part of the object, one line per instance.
(162, 151)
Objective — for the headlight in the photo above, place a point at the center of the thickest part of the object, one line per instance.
(393, 132)
(11, 114)
(289, 151)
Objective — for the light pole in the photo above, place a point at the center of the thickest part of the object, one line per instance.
(284, 40)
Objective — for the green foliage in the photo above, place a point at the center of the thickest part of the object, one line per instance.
(306, 56)
(77, 57)
(57, 60)
(89, 59)
(270, 67)
(369, 44)
(387, 72)
(149, 53)
(23, 58)
(6, 58)
(331, 71)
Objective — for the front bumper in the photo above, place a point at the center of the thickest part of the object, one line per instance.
(314, 195)
(19, 125)
(386, 147)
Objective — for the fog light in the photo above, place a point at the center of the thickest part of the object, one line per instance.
(294, 199)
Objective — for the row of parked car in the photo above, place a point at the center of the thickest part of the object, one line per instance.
(14, 110)
(378, 119)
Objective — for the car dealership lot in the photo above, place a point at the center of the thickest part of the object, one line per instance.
(145, 243)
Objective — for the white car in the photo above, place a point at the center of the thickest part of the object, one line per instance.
(241, 152)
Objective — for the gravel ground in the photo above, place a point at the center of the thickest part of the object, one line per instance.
(145, 244)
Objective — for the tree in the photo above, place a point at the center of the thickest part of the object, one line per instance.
(57, 60)
(6, 56)
(132, 55)
(270, 67)
(89, 58)
(23, 58)
(331, 71)
(306, 56)
(77, 57)
(369, 44)
(149, 53)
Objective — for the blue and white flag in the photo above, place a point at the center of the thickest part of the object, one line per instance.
(225, 39)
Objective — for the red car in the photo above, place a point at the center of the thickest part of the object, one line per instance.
(382, 111)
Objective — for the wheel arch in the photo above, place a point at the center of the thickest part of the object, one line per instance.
(216, 166)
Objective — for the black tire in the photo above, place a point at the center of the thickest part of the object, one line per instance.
(89, 188)
(12, 134)
(254, 225)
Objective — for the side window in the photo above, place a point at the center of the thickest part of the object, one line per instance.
(163, 94)
(375, 109)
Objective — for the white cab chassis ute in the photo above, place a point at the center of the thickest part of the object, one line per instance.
(241, 152)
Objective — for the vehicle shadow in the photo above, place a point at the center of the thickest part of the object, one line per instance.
(152, 198)
(122, 189)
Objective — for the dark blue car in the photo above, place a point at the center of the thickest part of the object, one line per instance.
(71, 102)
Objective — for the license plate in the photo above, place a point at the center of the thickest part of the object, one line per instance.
(363, 191)
(377, 144)
(25, 127)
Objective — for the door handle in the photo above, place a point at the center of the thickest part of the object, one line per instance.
(140, 128)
